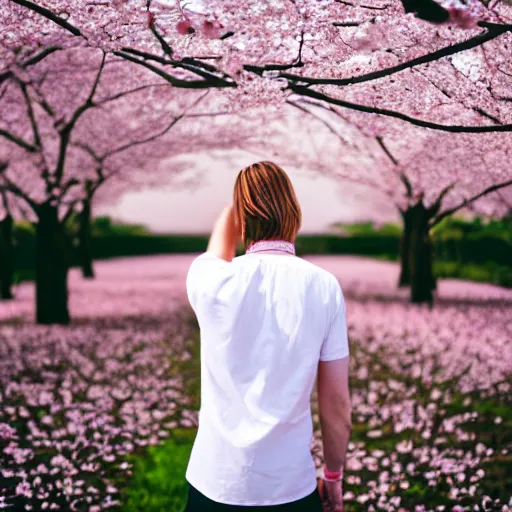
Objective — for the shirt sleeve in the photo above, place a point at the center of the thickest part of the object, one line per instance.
(335, 345)
(211, 285)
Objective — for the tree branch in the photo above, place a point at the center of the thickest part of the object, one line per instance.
(305, 91)
(196, 61)
(30, 112)
(436, 206)
(346, 24)
(466, 202)
(151, 138)
(407, 184)
(19, 141)
(97, 79)
(386, 150)
(323, 121)
(176, 82)
(188, 63)
(483, 113)
(101, 179)
(65, 133)
(5, 201)
(128, 145)
(163, 43)
(297, 63)
(364, 6)
(47, 13)
(31, 61)
(208, 114)
(401, 174)
(147, 56)
(88, 150)
(125, 93)
(17, 191)
(38, 57)
(492, 32)
(201, 71)
(73, 182)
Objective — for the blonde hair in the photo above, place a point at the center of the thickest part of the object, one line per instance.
(265, 204)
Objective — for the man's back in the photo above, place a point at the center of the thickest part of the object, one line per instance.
(266, 321)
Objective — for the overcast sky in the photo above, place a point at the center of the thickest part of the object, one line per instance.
(174, 208)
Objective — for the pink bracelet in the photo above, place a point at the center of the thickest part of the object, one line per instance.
(332, 476)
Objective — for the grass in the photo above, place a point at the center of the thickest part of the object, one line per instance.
(489, 273)
(24, 275)
(158, 483)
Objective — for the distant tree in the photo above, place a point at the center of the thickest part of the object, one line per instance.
(44, 115)
(426, 175)
(6, 245)
(143, 153)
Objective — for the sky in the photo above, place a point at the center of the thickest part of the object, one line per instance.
(183, 208)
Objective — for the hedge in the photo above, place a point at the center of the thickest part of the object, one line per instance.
(493, 253)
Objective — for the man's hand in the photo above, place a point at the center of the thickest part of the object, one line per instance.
(225, 235)
(331, 494)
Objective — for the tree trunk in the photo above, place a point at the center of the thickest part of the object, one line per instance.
(51, 268)
(84, 238)
(405, 242)
(6, 258)
(420, 256)
(430, 262)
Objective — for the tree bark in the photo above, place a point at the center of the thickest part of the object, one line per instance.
(51, 268)
(405, 243)
(84, 238)
(6, 258)
(420, 256)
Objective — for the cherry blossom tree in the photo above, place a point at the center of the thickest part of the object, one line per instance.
(42, 107)
(425, 174)
(146, 151)
(130, 157)
(439, 177)
(76, 122)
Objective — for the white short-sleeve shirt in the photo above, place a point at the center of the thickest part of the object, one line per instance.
(266, 320)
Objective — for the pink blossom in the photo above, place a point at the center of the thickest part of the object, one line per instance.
(24, 489)
(464, 19)
(7, 432)
(184, 27)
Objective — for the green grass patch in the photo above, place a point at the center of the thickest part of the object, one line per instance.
(158, 483)
(490, 272)
(25, 275)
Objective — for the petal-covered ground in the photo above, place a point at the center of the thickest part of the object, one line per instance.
(431, 388)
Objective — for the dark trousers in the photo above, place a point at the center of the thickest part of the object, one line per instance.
(198, 502)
